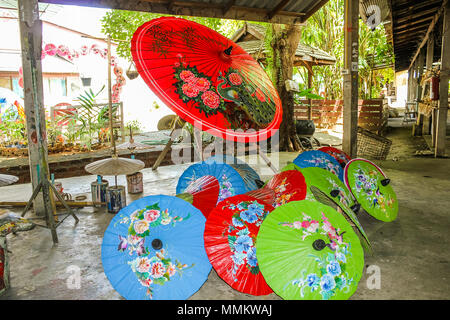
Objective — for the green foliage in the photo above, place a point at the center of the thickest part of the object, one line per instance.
(135, 126)
(325, 30)
(13, 128)
(121, 25)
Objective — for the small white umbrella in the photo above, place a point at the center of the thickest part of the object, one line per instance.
(115, 166)
(6, 179)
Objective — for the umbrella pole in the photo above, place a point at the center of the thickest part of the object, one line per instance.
(167, 147)
(264, 156)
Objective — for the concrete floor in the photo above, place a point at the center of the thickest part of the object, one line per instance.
(412, 252)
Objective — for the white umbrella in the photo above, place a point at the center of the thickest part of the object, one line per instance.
(6, 179)
(115, 166)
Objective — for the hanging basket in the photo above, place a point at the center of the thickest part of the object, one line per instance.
(132, 72)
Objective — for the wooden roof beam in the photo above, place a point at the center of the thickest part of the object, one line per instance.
(430, 29)
(228, 6)
(278, 8)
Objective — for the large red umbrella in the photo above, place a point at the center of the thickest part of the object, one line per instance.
(207, 79)
(230, 242)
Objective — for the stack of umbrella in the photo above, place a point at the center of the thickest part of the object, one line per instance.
(242, 226)
(296, 235)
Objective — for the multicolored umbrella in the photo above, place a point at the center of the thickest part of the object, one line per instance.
(329, 184)
(288, 186)
(247, 173)
(207, 79)
(371, 189)
(316, 158)
(202, 194)
(230, 239)
(306, 250)
(231, 183)
(154, 249)
(348, 213)
(338, 154)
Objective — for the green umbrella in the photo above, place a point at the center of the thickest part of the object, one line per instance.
(371, 189)
(348, 214)
(306, 250)
(290, 166)
(328, 183)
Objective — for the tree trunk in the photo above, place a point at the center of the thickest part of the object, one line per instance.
(284, 44)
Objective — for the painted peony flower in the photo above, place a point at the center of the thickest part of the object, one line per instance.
(333, 268)
(312, 280)
(211, 99)
(141, 226)
(185, 75)
(143, 265)
(157, 270)
(248, 216)
(251, 257)
(151, 215)
(171, 270)
(235, 79)
(190, 90)
(327, 282)
(202, 84)
(243, 244)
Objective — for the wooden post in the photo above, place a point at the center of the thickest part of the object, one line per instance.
(31, 47)
(420, 65)
(441, 121)
(309, 100)
(111, 121)
(428, 65)
(351, 46)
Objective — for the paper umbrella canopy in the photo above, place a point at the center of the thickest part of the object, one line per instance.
(371, 189)
(115, 166)
(154, 249)
(316, 158)
(206, 79)
(230, 182)
(306, 250)
(202, 194)
(230, 234)
(288, 186)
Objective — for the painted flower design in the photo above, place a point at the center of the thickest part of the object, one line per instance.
(202, 84)
(241, 242)
(190, 90)
(235, 79)
(226, 189)
(211, 99)
(151, 215)
(186, 75)
(331, 276)
(150, 269)
(141, 226)
(158, 270)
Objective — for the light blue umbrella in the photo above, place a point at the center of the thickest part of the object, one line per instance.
(316, 158)
(154, 249)
(247, 173)
(231, 183)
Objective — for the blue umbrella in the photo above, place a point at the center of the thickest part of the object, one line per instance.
(316, 158)
(231, 183)
(154, 249)
(247, 173)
